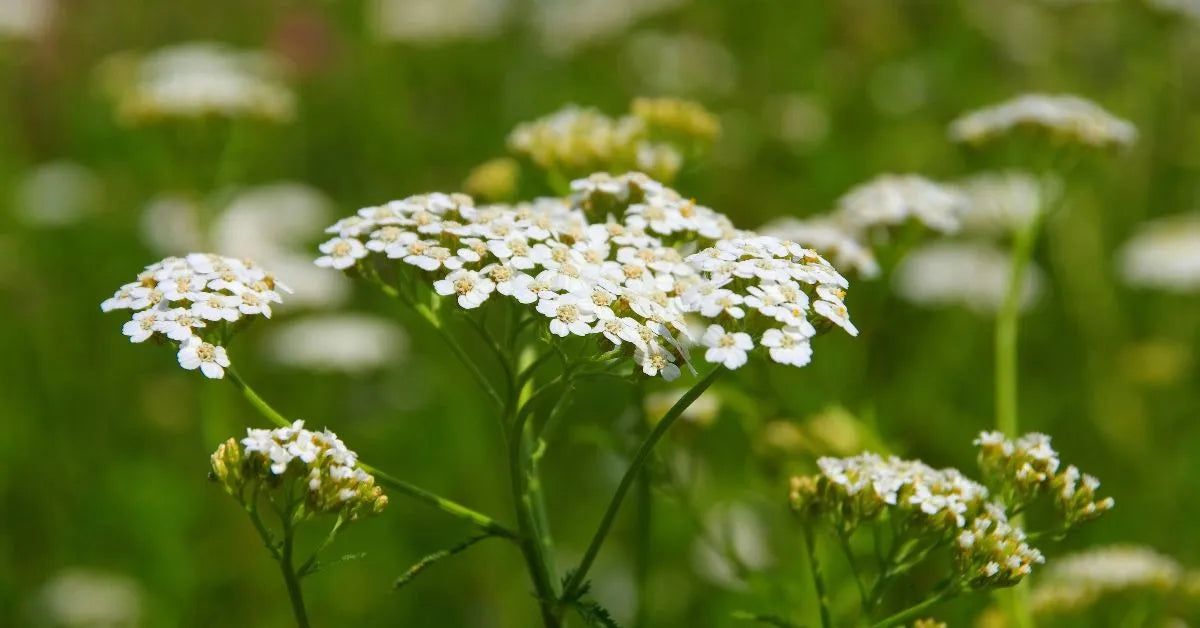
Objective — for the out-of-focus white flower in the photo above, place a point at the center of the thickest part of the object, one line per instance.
(829, 238)
(274, 224)
(1004, 202)
(336, 342)
(566, 26)
(1189, 9)
(199, 79)
(85, 598)
(1076, 581)
(25, 19)
(891, 200)
(733, 545)
(1164, 254)
(434, 21)
(57, 194)
(973, 274)
(1063, 117)
(681, 64)
(170, 224)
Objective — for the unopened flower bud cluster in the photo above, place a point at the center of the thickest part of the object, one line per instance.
(992, 552)
(196, 302)
(624, 260)
(655, 138)
(297, 461)
(1027, 467)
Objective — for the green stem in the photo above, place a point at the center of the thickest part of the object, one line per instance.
(814, 565)
(1007, 327)
(645, 525)
(289, 576)
(1015, 600)
(913, 612)
(531, 541)
(435, 557)
(441, 503)
(844, 543)
(571, 589)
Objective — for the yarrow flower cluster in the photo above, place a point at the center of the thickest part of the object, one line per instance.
(610, 262)
(655, 138)
(926, 508)
(316, 465)
(1004, 202)
(1028, 467)
(857, 490)
(200, 79)
(1062, 117)
(974, 274)
(197, 303)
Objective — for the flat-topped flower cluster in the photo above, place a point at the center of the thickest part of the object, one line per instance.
(1064, 118)
(624, 259)
(196, 302)
(331, 480)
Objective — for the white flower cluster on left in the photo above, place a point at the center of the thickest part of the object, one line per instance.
(196, 301)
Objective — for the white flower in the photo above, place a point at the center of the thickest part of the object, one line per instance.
(829, 238)
(214, 306)
(210, 359)
(721, 301)
(568, 313)
(654, 361)
(341, 253)
(471, 287)
(726, 348)
(890, 200)
(177, 324)
(973, 274)
(787, 346)
(142, 326)
(1164, 254)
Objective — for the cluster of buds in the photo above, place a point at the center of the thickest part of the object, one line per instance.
(292, 461)
(865, 489)
(655, 138)
(992, 553)
(1063, 119)
(196, 303)
(1021, 470)
(609, 263)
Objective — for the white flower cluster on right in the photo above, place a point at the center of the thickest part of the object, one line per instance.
(1164, 254)
(1063, 117)
(327, 470)
(1076, 581)
(624, 260)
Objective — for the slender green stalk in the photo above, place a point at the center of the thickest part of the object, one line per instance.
(438, 556)
(844, 543)
(645, 525)
(572, 587)
(531, 541)
(814, 565)
(1015, 600)
(289, 575)
(441, 503)
(913, 612)
(1007, 328)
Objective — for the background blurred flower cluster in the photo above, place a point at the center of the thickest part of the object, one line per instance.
(136, 130)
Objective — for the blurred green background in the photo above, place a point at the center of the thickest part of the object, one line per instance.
(104, 445)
